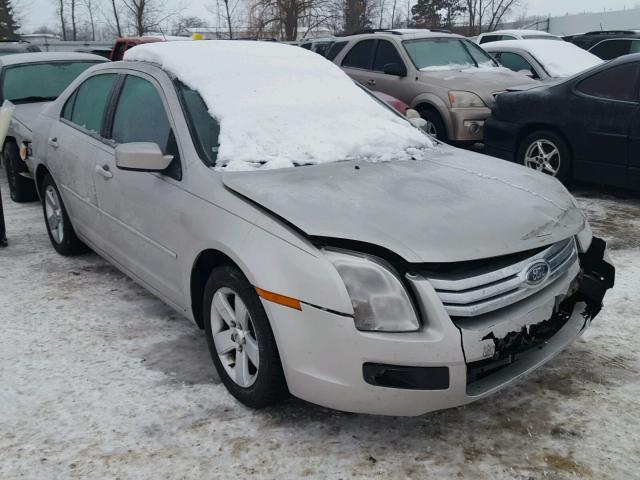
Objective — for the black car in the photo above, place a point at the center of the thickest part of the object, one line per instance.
(609, 44)
(586, 127)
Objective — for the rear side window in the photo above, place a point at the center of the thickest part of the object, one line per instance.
(618, 83)
(335, 49)
(495, 38)
(610, 49)
(360, 56)
(386, 53)
(87, 105)
(635, 46)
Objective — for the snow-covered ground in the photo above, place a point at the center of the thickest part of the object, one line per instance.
(98, 379)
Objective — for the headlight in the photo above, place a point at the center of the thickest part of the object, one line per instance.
(380, 300)
(465, 100)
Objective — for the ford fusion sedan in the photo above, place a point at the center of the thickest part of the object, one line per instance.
(450, 80)
(327, 248)
(29, 81)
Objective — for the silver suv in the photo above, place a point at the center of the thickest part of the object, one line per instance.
(450, 80)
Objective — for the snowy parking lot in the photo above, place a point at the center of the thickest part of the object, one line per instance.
(98, 379)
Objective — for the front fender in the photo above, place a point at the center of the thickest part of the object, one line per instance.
(437, 103)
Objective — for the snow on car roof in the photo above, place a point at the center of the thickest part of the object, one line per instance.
(279, 105)
(559, 59)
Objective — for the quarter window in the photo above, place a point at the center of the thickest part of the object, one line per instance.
(87, 105)
(360, 56)
(617, 83)
(335, 49)
(386, 53)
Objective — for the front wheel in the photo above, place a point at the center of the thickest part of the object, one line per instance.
(546, 152)
(435, 125)
(241, 341)
(61, 233)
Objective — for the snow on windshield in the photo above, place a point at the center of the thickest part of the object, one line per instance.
(559, 59)
(280, 105)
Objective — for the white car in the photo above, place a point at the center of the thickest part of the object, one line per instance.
(542, 60)
(500, 35)
(328, 248)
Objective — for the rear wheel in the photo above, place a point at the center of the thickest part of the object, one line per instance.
(61, 233)
(241, 341)
(546, 152)
(21, 188)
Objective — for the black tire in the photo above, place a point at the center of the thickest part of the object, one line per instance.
(21, 189)
(549, 138)
(432, 116)
(69, 244)
(269, 386)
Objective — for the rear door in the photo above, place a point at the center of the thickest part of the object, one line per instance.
(141, 211)
(603, 108)
(75, 143)
(358, 60)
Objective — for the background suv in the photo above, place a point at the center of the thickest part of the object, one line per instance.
(610, 44)
(450, 80)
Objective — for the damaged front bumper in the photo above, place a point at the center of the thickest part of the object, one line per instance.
(450, 361)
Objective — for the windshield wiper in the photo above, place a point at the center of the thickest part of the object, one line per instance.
(32, 99)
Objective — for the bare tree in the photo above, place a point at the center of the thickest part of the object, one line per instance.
(61, 17)
(496, 11)
(183, 25)
(74, 20)
(148, 15)
(92, 8)
(116, 17)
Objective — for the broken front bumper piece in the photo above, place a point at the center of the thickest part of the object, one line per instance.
(558, 315)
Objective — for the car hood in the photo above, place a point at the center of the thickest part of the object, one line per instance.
(454, 207)
(482, 81)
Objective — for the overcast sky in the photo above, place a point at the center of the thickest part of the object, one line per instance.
(36, 13)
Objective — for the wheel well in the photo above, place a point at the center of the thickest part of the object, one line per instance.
(529, 129)
(41, 171)
(429, 106)
(205, 263)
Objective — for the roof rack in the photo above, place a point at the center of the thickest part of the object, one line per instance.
(612, 32)
(393, 31)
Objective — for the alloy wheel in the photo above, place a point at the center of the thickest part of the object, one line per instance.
(544, 156)
(430, 129)
(234, 337)
(53, 210)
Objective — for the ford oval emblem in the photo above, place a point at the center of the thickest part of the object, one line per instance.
(537, 273)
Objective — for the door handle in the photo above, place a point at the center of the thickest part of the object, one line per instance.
(104, 172)
(53, 142)
(371, 82)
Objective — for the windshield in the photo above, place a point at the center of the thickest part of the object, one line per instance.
(39, 82)
(446, 53)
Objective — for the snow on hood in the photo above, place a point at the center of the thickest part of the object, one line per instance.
(466, 68)
(281, 105)
(559, 59)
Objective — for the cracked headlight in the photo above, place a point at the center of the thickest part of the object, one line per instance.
(380, 301)
(465, 100)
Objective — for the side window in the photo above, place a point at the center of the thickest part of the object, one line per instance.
(610, 49)
(386, 53)
(618, 83)
(635, 46)
(516, 62)
(140, 116)
(90, 101)
(335, 49)
(490, 38)
(360, 56)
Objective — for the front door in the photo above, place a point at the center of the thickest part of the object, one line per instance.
(141, 211)
(602, 111)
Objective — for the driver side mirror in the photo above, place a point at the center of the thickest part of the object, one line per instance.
(396, 69)
(141, 157)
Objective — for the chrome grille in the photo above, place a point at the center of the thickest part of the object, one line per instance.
(469, 295)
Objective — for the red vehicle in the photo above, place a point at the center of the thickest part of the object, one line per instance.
(124, 44)
(399, 105)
